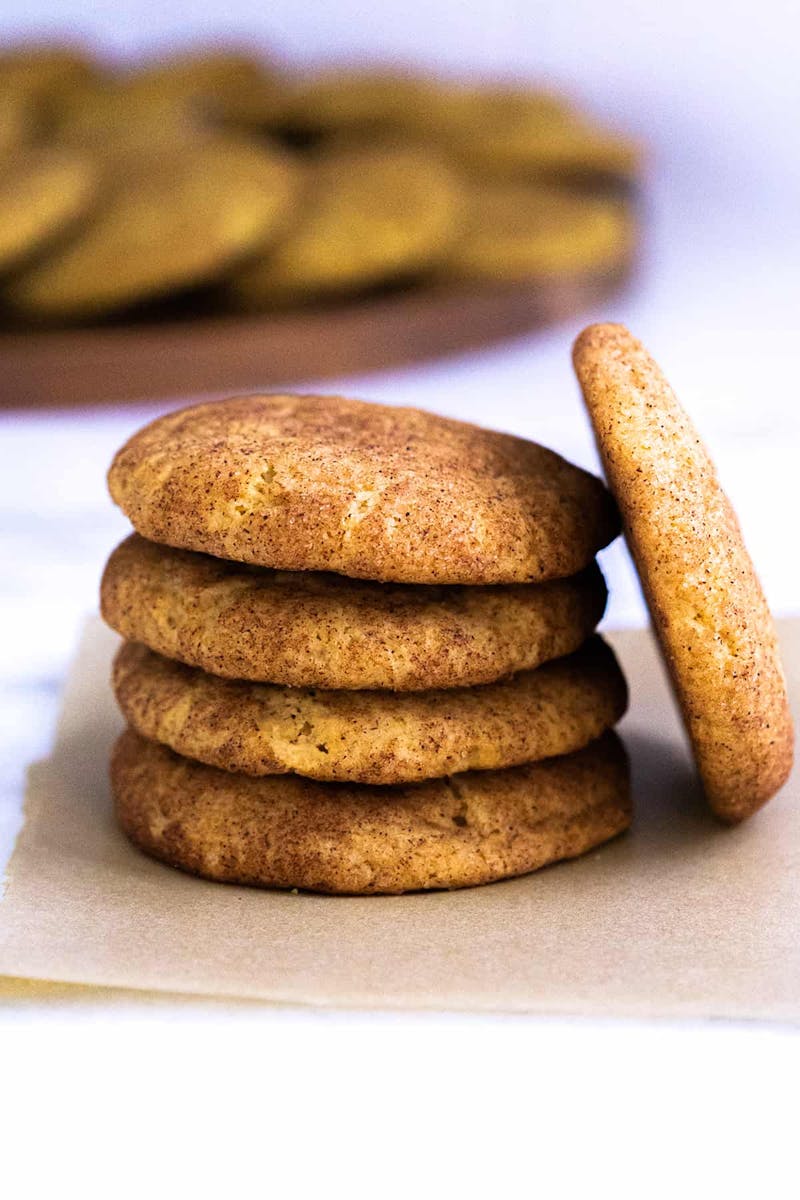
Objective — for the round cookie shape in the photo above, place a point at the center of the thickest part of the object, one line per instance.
(117, 123)
(528, 135)
(304, 629)
(706, 602)
(46, 74)
(321, 483)
(17, 122)
(290, 832)
(163, 226)
(338, 99)
(500, 112)
(516, 231)
(197, 76)
(371, 737)
(367, 216)
(159, 106)
(43, 193)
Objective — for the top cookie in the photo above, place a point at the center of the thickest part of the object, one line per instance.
(389, 494)
(706, 602)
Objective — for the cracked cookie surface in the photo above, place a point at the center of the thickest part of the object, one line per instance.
(371, 737)
(306, 629)
(290, 832)
(376, 492)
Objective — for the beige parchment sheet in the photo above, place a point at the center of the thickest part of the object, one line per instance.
(681, 917)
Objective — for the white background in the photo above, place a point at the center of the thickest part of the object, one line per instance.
(430, 1105)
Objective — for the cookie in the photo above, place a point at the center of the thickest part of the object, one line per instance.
(43, 193)
(258, 107)
(198, 76)
(228, 85)
(705, 599)
(321, 483)
(366, 217)
(516, 231)
(370, 737)
(290, 832)
(372, 99)
(167, 225)
(376, 101)
(161, 103)
(44, 74)
(501, 108)
(16, 124)
(115, 120)
(305, 629)
(532, 136)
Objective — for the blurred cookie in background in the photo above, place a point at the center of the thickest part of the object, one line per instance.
(492, 128)
(484, 112)
(364, 99)
(534, 134)
(42, 76)
(160, 102)
(225, 181)
(16, 121)
(43, 192)
(366, 217)
(114, 119)
(515, 231)
(199, 75)
(164, 225)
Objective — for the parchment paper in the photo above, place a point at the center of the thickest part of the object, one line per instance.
(681, 917)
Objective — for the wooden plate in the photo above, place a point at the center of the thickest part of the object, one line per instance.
(226, 354)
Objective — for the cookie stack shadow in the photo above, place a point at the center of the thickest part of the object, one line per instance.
(359, 652)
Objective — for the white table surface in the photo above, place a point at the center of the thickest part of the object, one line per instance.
(717, 300)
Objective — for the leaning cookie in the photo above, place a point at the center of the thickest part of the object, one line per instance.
(290, 832)
(706, 602)
(305, 629)
(371, 737)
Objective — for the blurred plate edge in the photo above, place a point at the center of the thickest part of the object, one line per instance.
(227, 354)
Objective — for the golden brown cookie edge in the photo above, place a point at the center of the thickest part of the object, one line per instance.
(742, 740)
(353, 840)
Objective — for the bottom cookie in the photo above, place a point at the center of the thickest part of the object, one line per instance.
(291, 832)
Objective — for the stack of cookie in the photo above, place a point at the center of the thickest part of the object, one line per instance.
(359, 649)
